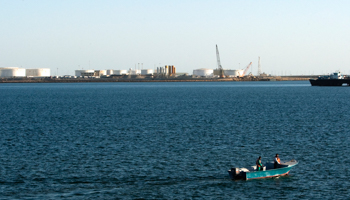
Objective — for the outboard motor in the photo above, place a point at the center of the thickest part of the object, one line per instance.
(235, 173)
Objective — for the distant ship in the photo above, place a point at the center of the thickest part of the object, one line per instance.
(335, 79)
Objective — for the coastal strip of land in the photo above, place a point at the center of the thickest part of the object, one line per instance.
(150, 79)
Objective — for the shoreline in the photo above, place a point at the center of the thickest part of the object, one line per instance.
(150, 79)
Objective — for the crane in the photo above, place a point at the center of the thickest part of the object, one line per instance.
(246, 69)
(221, 70)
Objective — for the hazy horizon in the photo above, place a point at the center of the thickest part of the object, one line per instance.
(291, 37)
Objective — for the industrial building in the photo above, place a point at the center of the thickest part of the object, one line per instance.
(84, 72)
(10, 72)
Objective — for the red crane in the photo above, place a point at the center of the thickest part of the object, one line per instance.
(246, 69)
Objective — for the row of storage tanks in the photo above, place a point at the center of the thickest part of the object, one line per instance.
(91, 72)
(10, 72)
(166, 70)
(203, 72)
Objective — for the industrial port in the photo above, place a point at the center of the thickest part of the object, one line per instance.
(161, 74)
(166, 73)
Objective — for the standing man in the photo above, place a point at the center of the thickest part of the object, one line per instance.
(277, 161)
(258, 164)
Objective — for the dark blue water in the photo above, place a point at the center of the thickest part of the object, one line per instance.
(172, 140)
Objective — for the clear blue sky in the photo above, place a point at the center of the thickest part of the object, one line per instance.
(291, 36)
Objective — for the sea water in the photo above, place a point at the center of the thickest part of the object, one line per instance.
(172, 140)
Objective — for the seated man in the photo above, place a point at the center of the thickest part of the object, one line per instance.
(258, 164)
(277, 161)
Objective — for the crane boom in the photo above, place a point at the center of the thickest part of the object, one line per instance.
(221, 70)
(246, 69)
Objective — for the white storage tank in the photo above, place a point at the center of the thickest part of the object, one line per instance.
(8, 72)
(103, 72)
(203, 72)
(134, 72)
(84, 72)
(146, 71)
(109, 71)
(120, 72)
(233, 73)
(41, 72)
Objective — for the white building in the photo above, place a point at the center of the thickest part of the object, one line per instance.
(8, 72)
(84, 72)
(203, 72)
(41, 72)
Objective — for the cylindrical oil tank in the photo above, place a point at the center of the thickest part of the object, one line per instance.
(146, 71)
(8, 72)
(120, 72)
(109, 71)
(135, 72)
(84, 71)
(203, 72)
(103, 72)
(166, 69)
(41, 72)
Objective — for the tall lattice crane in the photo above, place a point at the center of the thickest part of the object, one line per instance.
(259, 67)
(221, 70)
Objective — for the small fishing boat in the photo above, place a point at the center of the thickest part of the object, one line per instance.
(267, 172)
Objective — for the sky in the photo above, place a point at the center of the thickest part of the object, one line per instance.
(292, 37)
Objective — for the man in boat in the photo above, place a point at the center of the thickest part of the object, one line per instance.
(277, 161)
(258, 164)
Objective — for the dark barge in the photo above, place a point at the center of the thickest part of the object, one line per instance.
(336, 79)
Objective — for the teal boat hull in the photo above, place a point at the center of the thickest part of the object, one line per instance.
(283, 169)
(267, 174)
